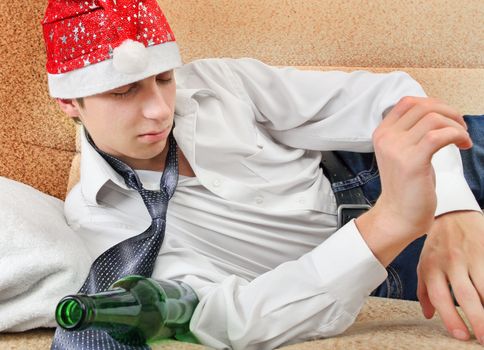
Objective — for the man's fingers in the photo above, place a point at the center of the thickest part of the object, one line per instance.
(402, 107)
(432, 121)
(452, 254)
(439, 294)
(428, 309)
(477, 278)
(421, 110)
(409, 110)
(470, 301)
(476, 256)
(434, 140)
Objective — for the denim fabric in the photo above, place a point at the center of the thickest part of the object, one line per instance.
(473, 159)
(401, 282)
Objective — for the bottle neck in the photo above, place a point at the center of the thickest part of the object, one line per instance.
(77, 312)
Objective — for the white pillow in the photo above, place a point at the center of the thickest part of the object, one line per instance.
(41, 258)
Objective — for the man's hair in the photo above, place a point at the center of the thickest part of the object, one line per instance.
(80, 100)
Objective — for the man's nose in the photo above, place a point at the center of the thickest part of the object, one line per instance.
(156, 104)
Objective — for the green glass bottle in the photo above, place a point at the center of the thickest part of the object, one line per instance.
(135, 310)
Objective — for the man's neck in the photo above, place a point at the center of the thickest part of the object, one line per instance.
(158, 163)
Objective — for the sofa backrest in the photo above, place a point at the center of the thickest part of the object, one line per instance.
(439, 42)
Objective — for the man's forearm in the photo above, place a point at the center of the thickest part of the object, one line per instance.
(382, 235)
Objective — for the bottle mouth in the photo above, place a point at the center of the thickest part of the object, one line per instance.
(70, 313)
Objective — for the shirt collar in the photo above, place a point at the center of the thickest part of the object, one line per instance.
(95, 171)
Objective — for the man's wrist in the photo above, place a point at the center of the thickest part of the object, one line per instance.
(386, 233)
(456, 216)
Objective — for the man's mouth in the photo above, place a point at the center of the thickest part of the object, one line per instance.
(155, 135)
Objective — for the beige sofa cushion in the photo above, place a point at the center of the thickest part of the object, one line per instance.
(36, 140)
(382, 324)
(352, 33)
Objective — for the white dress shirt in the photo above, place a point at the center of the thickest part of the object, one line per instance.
(254, 233)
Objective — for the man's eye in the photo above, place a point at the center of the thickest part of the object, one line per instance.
(122, 93)
(163, 80)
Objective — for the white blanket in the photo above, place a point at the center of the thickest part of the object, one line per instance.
(41, 259)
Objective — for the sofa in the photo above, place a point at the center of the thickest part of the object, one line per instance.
(440, 43)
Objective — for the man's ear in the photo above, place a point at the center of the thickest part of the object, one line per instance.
(69, 106)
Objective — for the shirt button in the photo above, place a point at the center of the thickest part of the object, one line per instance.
(216, 183)
(302, 200)
(259, 200)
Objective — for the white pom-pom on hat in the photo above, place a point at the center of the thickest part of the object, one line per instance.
(130, 57)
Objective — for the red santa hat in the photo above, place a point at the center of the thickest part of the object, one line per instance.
(97, 45)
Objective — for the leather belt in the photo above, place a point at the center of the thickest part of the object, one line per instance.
(351, 202)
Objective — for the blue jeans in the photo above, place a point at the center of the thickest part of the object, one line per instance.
(401, 282)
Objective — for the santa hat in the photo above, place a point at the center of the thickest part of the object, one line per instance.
(97, 45)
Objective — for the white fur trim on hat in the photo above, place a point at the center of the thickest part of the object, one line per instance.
(115, 72)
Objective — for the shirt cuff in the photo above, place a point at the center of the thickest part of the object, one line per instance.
(349, 267)
(453, 193)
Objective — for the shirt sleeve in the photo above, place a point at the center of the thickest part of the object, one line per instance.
(318, 295)
(335, 110)
(321, 110)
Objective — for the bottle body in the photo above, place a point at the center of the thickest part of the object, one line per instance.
(135, 310)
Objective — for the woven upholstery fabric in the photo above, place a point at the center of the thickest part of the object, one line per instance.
(379, 33)
(382, 324)
(36, 140)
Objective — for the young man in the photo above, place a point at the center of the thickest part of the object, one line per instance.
(252, 224)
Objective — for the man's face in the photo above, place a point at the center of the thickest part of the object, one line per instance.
(133, 122)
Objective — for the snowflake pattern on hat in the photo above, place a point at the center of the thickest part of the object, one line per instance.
(80, 33)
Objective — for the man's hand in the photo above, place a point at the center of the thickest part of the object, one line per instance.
(412, 132)
(453, 254)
